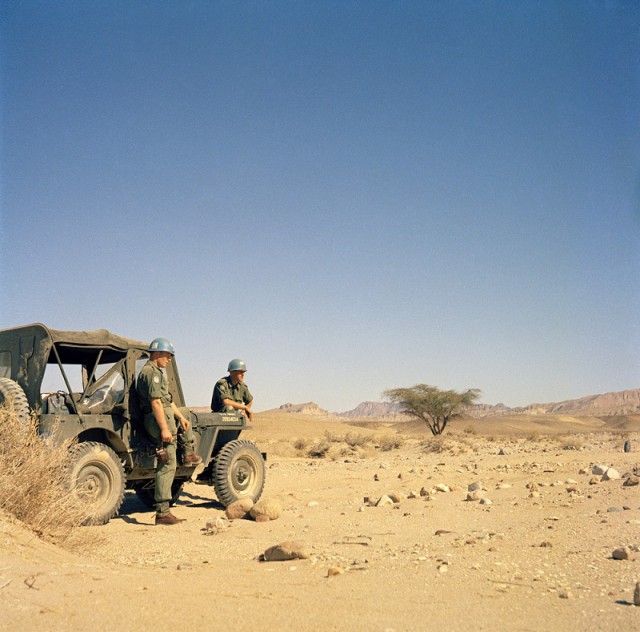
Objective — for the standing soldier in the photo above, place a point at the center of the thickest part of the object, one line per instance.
(160, 417)
(231, 393)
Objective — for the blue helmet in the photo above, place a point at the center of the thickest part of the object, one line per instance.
(161, 344)
(237, 365)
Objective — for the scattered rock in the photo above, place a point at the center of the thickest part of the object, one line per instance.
(269, 509)
(441, 487)
(396, 498)
(285, 551)
(627, 446)
(565, 594)
(477, 495)
(636, 595)
(621, 553)
(611, 475)
(424, 492)
(215, 526)
(598, 470)
(485, 501)
(239, 509)
(413, 494)
(593, 481)
(583, 470)
(504, 452)
(474, 487)
(184, 566)
(335, 570)
(573, 489)
(631, 481)
(384, 501)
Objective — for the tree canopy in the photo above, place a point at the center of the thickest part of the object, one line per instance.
(433, 406)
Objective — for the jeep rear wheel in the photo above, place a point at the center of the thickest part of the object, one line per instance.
(97, 476)
(238, 472)
(146, 495)
(11, 393)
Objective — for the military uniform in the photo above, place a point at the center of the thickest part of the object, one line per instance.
(224, 389)
(152, 384)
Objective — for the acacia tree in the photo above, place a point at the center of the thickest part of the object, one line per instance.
(433, 406)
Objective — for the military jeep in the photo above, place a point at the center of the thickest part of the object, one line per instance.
(95, 404)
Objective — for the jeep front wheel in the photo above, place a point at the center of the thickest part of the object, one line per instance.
(97, 476)
(238, 472)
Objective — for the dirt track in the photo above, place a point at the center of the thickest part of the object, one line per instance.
(520, 563)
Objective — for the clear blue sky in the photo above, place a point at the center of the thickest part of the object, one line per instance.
(351, 196)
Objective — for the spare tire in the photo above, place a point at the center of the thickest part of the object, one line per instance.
(238, 472)
(13, 396)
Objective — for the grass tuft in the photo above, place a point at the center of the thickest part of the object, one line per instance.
(33, 482)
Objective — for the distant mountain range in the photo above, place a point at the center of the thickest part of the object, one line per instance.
(605, 405)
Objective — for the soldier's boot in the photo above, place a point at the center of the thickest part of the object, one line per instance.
(191, 459)
(169, 519)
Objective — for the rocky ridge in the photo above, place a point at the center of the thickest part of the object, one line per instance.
(604, 405)
(308, 408)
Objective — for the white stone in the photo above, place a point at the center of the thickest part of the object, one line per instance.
(611, 475)
(384, 501)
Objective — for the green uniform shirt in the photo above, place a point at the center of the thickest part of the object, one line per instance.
(152, 384)
(224, 389)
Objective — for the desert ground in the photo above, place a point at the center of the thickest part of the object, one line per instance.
(538, 555)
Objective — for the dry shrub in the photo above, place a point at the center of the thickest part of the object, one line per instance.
(33, 480)
(332, 437)
(390, 442)
(355, 440)
(318, 450)
(570, 442)
(300, 443)
(470, 430)
(437, 444)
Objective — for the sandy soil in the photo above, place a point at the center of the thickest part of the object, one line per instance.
(522, 562)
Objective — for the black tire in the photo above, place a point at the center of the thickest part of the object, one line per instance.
(97, 475)
(146, 495)
(12, 394)
(238, 472)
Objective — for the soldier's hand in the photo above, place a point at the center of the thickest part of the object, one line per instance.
(184, 422)
(166, 435)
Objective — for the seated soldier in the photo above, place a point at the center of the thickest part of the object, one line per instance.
(231, 393)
